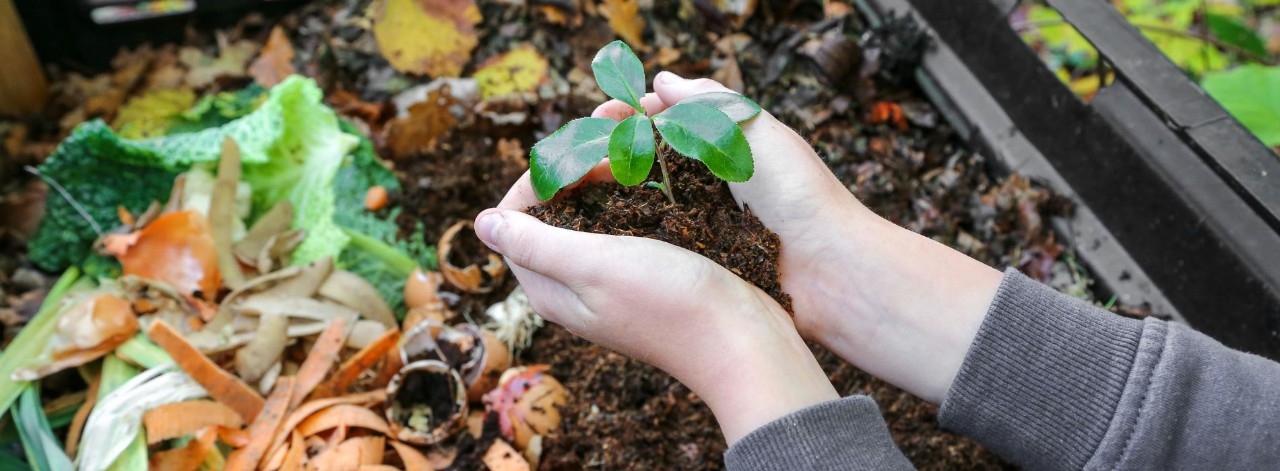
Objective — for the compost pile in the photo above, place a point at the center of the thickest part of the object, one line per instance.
(252, 249)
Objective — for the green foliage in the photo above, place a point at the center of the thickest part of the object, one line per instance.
(631, 150)
(568, 154)
(92, 155)
(387, 263)
(737, 107)
(1233, 31)
(703, 127)
(219, 108)
(704, 133)
(620, 74)
(1252, 94)
(44, 451)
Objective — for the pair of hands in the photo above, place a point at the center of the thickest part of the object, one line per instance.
(845, 268)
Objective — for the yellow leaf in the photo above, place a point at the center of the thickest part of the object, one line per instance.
(624, 18)
(520, 70)
(433, 37)
(150, 115)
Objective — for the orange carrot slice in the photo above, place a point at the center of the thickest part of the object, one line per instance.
(82, 415)
(305, 410)
(349, 415)
(223, 386)
(297, 450)
(187, 458)
(265, 426)
(362, 361)
(233, 436)
(181, 418)
(322, 357)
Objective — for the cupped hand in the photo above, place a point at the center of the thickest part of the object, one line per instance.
(897, 304)
(724, 338)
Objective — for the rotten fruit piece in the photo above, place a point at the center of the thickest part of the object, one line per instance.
(472, 278)
(528, 402)
(426, 403)
(89, 329)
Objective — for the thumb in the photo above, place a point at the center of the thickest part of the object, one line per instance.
(529, 243)
(671, 88)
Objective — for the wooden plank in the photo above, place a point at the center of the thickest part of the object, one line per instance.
(22, 85)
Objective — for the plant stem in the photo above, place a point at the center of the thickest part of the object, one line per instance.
(666, 178)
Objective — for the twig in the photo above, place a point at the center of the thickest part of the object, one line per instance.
(1234, 49)
(66, 196)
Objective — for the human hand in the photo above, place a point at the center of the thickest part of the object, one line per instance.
(897, 304)
(725, 339)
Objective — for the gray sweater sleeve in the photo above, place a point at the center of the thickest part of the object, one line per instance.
(1051, 382)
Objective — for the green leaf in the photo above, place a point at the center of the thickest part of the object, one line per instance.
(1252, 94)
(619, 73)
(13, 463)
(704, 133)
(739, 108)
(44, 452)
(568, 154)
(631, 150)
(1232, 31)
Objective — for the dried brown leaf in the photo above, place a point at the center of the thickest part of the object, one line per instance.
(276, 61)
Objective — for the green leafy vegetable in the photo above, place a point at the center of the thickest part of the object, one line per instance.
(1252, 94)
(620, 74)
(704, 133)
(568, 154)
(291, 147)
(631, 150)
(300, 165)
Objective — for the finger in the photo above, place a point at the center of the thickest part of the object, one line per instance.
(551, 299)
(618, 111)
(521, 194)
(672, 88)
(550, 251)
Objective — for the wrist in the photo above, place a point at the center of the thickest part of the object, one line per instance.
(901, 306)
(766, 372)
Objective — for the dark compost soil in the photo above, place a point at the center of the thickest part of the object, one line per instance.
(704, 219)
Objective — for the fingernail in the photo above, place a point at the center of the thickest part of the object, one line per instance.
(669, 77)
(487, 227)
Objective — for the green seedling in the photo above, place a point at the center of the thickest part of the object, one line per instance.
(703, 127)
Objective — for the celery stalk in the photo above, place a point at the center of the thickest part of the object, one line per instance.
(140, 351)
(31, 340)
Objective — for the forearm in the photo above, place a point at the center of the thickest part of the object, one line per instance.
(898, 305)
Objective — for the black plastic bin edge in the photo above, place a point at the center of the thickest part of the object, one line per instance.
(1139, 233)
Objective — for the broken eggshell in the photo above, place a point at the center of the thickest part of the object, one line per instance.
(528, 402)
(478, 356)
(472, 278)
(427, 403)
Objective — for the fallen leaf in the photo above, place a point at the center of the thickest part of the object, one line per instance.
(421, 130)
(626, 22)
(432, 37)
(519, 70)
(276, 61)
(203, 69)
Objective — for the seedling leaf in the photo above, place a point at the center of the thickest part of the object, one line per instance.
(737, 107)
(568, 154)
(631, 150)
(620, 74)
(704, 133)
